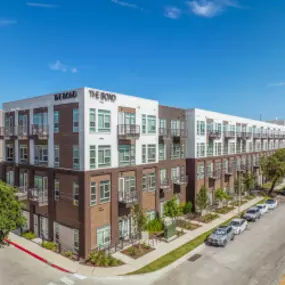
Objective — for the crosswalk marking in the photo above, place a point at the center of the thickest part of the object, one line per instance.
(66, 281)
(78, 276)
(51, 283)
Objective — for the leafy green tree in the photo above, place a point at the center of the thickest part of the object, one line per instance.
(238, 185)
(11, 216)
(202, 199)
(187, 208)
(248, 181)
(273, 167)
(172, 209)
(139, 219)
(220, 195)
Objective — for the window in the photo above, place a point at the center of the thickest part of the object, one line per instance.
(56, 121)
(23, 153)
(75, 120)
(175, 151)
(92, 153)
(151, 215)
(10, 177)
(174, 173)
(144, 183)
(151, 182)
(103, 236)
(92, 120)
(41, 154)
(75, 157)
(210, 149)
(219, 148)
(232, 148)
(198, 150)
(56, 155)
(23, 124)
(225, 165)
(151, 152)
(200, 128)
(201, 150)
(143, 153)
(56, 190)
(75, 194)
(182, 151)
(144, 124)
(163, 124)
(105, 191)
(162, 151)
(93, 198)
(104, 121)
(9, 152)
(127, 155)
(163, 176)
(75, 241)
(201, 170)
(104, 156)
(151, 124)
(56, 231)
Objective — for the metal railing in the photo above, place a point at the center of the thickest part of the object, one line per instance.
(215, 174)
(23, 131)
(164, 132)
(164, 183)
(22, 192)
(128, 197)
(180, 180)
(178, 133)
(7, 132)
(229, 134)
(256, 135)
(128, 130)
(214, 133)
(40, 130)
(38, 195)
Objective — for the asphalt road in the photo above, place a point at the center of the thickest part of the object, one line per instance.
(255, 257)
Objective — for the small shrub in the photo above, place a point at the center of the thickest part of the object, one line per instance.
(133, 251)
(102, 259)
(224, 210)
(49, 245)
(29, 235)
(187, 208)
(208, 218)
(67, 254)
(154, 226)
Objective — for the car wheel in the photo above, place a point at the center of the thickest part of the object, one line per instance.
(225, 243)
(233, 237)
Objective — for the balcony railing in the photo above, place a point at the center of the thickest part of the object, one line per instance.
(239, 134)
(23, 131)
(225, 151)
(180, 180)
(229, 134)
(256, 135)
(41, 131)
(7, 132)
(215, 174)
(214, 134)
(128, 198)
(40, 196)
(178, 133)
(128, 131)
(246, 135)
(164, 132)
(21, 193)
(164, 183)
(256, 164)
(228, 171)
(264, 135)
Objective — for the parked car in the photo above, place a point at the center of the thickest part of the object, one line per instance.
(252, 214)
(282, 192)
(221, 236)
(271, 203)
(239, 225)
(263, 208)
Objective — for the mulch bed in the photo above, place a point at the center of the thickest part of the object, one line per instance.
(187, 225)
(136, 251)
(207, 218)
(224, 210)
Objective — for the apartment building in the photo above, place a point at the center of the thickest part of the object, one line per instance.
(82, 157)
(223, 147)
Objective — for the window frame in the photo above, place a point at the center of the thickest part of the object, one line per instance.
(24, 150)
(92, 122)
(76, 160)
(151, 150)
(75, 116)
(151, 180)
(93, 195)
(92, 158)
(104, 149)
(103, 197)
(151, 124)
(56, 122)
(105, 114)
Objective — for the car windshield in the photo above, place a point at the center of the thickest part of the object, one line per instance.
(235, 223)
(220, 232)
(251, 211)
(270, 201)
(259, 206)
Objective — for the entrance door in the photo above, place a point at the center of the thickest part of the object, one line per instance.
(124, 228)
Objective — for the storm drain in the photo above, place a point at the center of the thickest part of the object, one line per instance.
(194, 257)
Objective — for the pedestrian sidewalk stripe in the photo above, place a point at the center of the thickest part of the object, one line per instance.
(78, 276)
(67, 281)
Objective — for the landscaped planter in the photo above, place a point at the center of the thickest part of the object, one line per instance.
(207, 218)
(137, 251)
(101, 259)
(224, 210)
(187, 225)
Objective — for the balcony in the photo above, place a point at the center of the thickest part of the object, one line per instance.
(256, 164)
(23, 132)
(164, 133)
(214, 134)
(164, 183)
(246, 135)
(229, 134)
(22, 193)
(128, 131)
(264, 135)
(178, 133)
(225, 151)
(39, 196)
(239, 134)
(180, 180)
(228, 171)
(8, 132)
(40, 131)
(256, 135)
(214, 175)
(128, 198)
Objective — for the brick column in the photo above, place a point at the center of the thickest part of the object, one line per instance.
(114, 208)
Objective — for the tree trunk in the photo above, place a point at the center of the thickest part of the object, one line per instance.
(272, 186)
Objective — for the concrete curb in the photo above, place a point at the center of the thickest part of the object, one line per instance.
(38, 257)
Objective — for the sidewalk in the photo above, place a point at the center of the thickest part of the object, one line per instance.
(130, 265)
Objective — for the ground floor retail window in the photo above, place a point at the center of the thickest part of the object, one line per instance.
(104, 236)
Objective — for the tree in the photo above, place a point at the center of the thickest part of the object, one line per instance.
(248, 181)
(273, 167)
(220, 195)
(238, 185)
(202, 199)
(11, 216)
(172, 209)
(139, 219)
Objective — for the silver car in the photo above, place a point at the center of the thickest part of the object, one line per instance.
(252, 214)
(221, 236)
(239, 225)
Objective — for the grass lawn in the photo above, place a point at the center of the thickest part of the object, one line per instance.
(178, 252)
(224, 210)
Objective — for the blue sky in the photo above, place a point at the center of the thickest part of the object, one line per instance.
(222, 55)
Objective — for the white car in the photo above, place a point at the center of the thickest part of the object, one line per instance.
(271, 203)
(239, 225)
(263, 208)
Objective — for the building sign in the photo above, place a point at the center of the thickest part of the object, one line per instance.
(65, 95)
(104, 96)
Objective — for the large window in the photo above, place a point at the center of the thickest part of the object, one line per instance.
(174, 174)
(9, 152)
(200, 128)
(103, 236)
(127, 155)
(175, 151)
(10, 177)
(104, 156)
(92, 154)
(75, 157)
(23, 124)
(23, 153)
(163, 123)
(144, 179)
(201, 171)
(163, 176)
(75, 120)
(151, 182)
(143, 153)
(92, 120)
(151, 152)
(41, 154)
(162, 151)
(105, 193)
(56, 156)
(56, 121)
(144, 124)
(93, 196)
(151, 124)
(104, 121)
(75, 194)
(201, 150)
(56, 189)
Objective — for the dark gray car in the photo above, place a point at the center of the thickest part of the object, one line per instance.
(221, 236)
(252, 214)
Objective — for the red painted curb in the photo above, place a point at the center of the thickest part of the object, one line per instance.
(38, 257)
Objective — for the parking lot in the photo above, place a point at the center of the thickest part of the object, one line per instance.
(257, 256)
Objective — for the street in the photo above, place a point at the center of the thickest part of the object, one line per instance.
(255, 257)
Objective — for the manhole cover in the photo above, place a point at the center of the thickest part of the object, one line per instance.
(194, 257)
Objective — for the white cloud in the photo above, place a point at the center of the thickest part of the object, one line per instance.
(58, 66)
(7, 22)
(277, 84)
(40, 5)
(126, 4)
(209, 9)
(172, 12)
